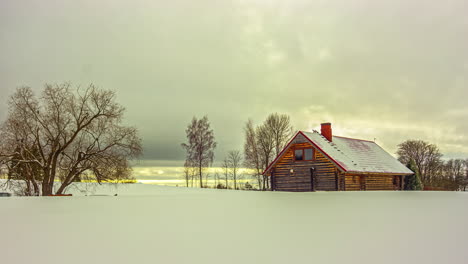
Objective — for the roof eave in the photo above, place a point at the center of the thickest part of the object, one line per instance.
(386, 173)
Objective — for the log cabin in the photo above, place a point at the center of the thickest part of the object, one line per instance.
(314, 161)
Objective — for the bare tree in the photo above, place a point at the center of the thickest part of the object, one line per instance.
(280, 127)
(252, 158)
(64, 134)
(266, 148)
(453, 175)
(192, 179)
(464, 182)
(200, 145)
(265, 142)
(216, 178)
(234, 162)
(226, 167)
(23, 178)
(207, 178)
(427, 157)
(189, 172)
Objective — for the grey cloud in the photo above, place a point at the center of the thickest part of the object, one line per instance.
(385, 66)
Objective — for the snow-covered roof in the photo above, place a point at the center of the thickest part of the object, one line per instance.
(355, 155)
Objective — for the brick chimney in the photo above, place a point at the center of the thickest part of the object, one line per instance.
(326, 131)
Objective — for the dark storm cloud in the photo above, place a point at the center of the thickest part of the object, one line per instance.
(389, 70)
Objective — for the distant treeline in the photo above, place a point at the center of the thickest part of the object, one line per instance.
(434, 172)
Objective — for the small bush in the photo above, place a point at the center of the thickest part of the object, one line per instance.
(220, 186)
(248, 186)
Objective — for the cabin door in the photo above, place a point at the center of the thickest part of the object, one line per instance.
(312, 179)
(362, 183)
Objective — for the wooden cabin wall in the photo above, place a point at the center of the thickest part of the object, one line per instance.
(341, 181)
(300, 180)
(352, 183)
(355, 182)
(380, 183)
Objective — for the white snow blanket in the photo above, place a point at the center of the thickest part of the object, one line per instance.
(154, 224)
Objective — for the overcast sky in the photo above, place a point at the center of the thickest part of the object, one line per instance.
(390, 70)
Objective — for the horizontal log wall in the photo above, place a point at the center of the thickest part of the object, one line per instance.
(352, 183)
(300, 179)
(379, 182)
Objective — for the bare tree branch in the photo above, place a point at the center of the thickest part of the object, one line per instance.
(64, 134)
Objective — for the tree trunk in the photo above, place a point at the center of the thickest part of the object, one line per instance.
(64, 185)
(235, 181)
(61, 189)
(46, 188)
(265, 177)
(36, 188)
(259, 179)
(200, 173)
(28, 187)
(48, 182)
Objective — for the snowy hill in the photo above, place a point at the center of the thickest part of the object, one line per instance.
(154, 224)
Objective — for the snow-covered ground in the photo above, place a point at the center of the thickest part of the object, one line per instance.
(155, 224)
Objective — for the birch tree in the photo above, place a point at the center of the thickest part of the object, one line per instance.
(200, 145)
(234, 162)
(189, 172)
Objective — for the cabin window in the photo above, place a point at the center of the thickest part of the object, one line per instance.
(304, 154)
(298, 154)
(308, 154)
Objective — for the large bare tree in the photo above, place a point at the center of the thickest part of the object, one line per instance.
(279, 125)
(264, 142)
(427, 157)
(65, 133)
(252, 158)
(200, 145)
(266, 146)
